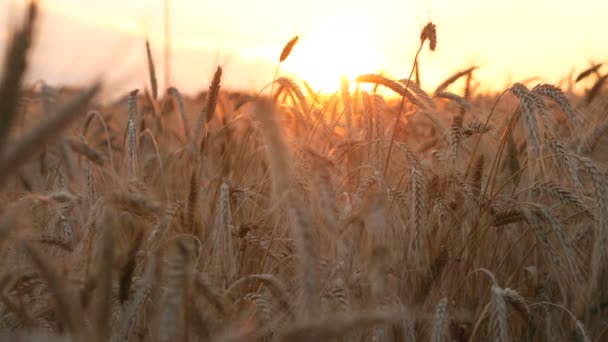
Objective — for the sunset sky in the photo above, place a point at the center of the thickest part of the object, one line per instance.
(509, 40)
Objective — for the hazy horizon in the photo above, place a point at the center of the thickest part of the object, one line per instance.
(80, 41)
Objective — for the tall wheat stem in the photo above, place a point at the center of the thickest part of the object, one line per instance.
(390, 146)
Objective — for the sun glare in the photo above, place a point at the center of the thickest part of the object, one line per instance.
(343, 46)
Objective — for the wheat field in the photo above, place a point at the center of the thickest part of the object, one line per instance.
(397, 214)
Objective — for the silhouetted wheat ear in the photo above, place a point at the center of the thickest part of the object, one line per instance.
(287, 49)
(429, 32)
(207, 114)
(585, 73)
(151, 71)
(214, 91)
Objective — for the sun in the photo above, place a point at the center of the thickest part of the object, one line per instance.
(342, 46)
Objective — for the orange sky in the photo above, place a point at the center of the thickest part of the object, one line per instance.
(510, 40)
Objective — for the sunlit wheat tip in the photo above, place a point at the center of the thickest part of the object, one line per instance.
(585, 73)
(287, 49)
(151, 71)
